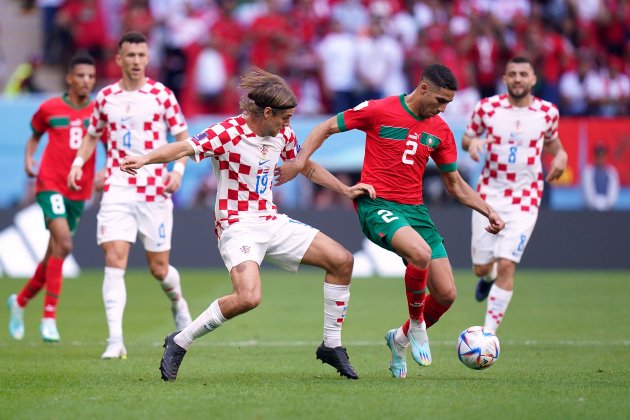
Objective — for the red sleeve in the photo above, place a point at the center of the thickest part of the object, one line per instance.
(359, 117)
(445, 155)
(39, 122)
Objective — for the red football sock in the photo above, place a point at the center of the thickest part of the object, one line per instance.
(33, 286)
(416, 288)
(433, 310)
(54, 279)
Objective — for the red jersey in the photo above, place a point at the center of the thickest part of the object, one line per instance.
(398, 145)
(66, 126)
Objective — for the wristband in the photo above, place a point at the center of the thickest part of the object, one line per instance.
(180, 168)
(78, 161)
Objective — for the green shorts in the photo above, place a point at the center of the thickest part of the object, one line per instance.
(56, 205)
(380, 219)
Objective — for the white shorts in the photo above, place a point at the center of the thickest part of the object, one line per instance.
(510, 243)
(282, 242)
(123, 221)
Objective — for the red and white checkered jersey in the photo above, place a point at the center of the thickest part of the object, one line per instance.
(512, 177)
(136, 123)
(243, 164)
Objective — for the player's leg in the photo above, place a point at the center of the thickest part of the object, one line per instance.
(246, 295)
(500, 294)
(483, 252)
(61, 247)
(442, 290)
(115, 296)
(155, 226)
(510, 248)
(116, 230)
(294, 243)
(17, 302)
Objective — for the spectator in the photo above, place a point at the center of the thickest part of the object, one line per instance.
(600, 181)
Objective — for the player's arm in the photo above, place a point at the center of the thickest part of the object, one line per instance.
(559, 162)
(474, 146)
(314, 140)
(174, 178)
(88, 145)
(163, 154)
(461, 191)
(321, 176)
(30, 164)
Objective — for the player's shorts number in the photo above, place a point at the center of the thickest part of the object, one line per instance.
(56, 204)
(412, 148)
(127, 139)
(76, 137)
(387, 216)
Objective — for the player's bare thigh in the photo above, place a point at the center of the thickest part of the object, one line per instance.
(116, 253)
(326, 253)
(158, 263)
(411, 246)
(247, 292)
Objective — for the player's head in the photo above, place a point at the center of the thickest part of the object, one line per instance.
(81, 75)
(519, 77)
(268, 100)
(437, 89)
(133, 55)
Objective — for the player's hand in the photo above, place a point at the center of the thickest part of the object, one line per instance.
(477, 147)
(359, 190)
(30, 167)
(131, 164)
(74, 176)
(286, 172)
(558, 166)
(173, 181)
(496, 223)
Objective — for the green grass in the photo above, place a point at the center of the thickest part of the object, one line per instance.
(565, 354)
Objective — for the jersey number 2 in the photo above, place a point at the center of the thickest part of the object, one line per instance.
(412, 148)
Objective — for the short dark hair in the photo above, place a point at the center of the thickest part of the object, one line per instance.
(440, 75)
(132, 38)
(520, 60)
(80, 58)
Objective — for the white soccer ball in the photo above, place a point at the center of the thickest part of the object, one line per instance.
(477, 348)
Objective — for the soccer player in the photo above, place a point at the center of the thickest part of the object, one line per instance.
(519, 128)
(244, 151)
(64, 119)
(136, 112)
(402, 132)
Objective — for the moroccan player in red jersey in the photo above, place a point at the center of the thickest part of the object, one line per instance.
(64, 119)
(401, 134)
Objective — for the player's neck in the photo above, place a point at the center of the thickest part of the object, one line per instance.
(75, 100)
(130, 85)
(520, 102)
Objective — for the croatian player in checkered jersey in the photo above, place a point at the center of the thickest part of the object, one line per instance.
(402, 133)
(136, 112)
(244, 152)
(519, 128)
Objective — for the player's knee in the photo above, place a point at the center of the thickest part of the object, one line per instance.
(64, 247)
(249, 300)
(420, 256)
(447, 297)
(158, 270)
(344, 264)
(482, 270)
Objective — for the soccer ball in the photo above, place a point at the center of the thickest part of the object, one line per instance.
(477, 348)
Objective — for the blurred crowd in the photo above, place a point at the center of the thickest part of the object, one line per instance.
(336, 53)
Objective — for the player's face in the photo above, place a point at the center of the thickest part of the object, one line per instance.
(274, 122)
(133, 59)
(81, 80)
(434, 100)
(519, 79)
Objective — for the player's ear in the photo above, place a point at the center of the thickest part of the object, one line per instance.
(118, 60)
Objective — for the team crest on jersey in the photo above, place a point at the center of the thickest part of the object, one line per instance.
(264, 149)
(245, 249)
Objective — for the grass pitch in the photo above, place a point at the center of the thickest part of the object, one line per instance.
(565, 353)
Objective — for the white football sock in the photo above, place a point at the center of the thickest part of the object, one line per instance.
(209, 320)
(498, 301)
(401, 338)
(336, 299)
(171, 285)
(115, 298)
